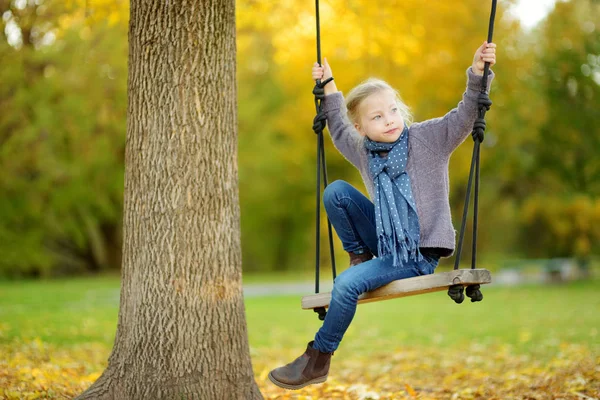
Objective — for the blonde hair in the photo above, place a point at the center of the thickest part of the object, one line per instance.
(367, 88)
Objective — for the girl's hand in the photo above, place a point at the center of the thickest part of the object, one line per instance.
(323, 73)
(485, 53)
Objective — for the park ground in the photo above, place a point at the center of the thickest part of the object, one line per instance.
(528, 341)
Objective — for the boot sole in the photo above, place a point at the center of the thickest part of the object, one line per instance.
(295, 387)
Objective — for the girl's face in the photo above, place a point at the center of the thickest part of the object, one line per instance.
(379, 117)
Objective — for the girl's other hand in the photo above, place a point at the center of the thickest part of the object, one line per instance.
(485, 53)
(321, 72)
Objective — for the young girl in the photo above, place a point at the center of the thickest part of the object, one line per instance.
(408, 225)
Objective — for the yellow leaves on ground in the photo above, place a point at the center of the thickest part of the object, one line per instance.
(460, 373)
(410, 390)
(35, 370)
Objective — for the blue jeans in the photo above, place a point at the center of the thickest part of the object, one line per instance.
(353, 217)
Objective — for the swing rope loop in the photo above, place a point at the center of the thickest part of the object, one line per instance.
(319, 123)
(319, 89)
(456, 293)
(484, 101)
(321, 312)
(479, 126)
(320, 120)
(474, 293)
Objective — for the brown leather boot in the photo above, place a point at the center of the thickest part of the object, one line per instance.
(356, 259)
(311, 367)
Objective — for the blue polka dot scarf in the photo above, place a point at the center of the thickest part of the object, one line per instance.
(396, 218)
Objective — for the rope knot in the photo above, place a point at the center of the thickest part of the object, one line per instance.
(474, 293)
(478, 129)
(322, 313)
(484, 101)
(319, 122)
(456, 293)
(319, 90)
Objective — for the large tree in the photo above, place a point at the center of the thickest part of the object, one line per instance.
(182, 330)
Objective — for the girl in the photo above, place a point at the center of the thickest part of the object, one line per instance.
(408, 225)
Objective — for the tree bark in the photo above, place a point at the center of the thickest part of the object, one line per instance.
(182, 328)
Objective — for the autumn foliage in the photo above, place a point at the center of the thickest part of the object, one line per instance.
(62, 129)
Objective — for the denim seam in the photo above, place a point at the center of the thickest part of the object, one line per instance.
(340, 323)
(341, 320)
(431, 263)
(348, 221)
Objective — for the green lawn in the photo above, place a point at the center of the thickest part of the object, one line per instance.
(529, 318)
(520, 342)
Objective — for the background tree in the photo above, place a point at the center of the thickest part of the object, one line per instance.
(62, 129)
(561, 216)
(182, 329)
(62, 137)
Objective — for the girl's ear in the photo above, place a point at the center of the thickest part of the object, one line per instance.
(357, 127)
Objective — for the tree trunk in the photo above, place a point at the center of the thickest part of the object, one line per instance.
(182, 327)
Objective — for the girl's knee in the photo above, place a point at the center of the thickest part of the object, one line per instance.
(333, 190)
(344, 286)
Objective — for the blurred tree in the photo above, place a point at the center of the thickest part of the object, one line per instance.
(271, 192)
(570, 138)
(182, 329)
(562, 219)
(63, 97)
(61, 138)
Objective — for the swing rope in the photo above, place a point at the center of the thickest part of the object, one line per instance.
(319, 124)
(456, 291)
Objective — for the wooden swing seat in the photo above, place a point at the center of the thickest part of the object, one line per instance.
(409, 287)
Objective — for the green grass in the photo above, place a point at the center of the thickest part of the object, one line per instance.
(532, 319)
(61, 311)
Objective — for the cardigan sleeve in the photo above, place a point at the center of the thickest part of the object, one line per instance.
(343, 134)
(443, 135)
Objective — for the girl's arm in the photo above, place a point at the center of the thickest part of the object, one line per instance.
(343, 134)
(443, 135)
(345, 138)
